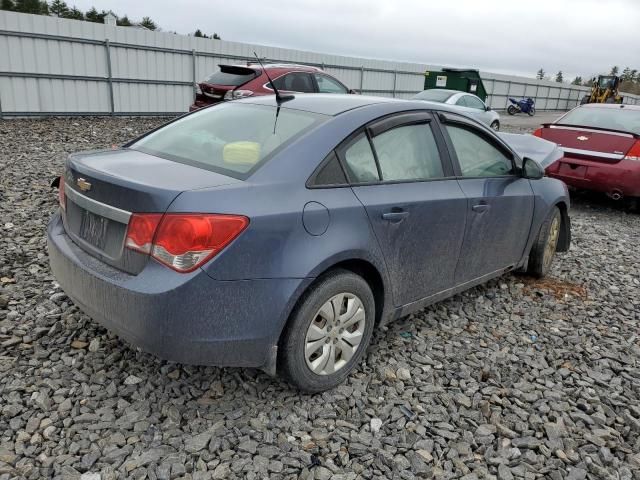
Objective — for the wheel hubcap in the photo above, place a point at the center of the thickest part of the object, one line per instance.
(552, 242)
(334, 334)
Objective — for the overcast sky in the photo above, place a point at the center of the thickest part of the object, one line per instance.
(579, 37)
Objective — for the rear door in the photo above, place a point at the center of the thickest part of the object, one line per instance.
(499, 201)
(402, 175)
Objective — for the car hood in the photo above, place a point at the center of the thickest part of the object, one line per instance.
(538, 149)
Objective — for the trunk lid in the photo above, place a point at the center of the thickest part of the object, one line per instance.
(595, 144)
(103, 188)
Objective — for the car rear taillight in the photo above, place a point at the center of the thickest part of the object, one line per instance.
(183, 242)
(197, 88)
(634, 152)
(538, 132)
(142, 228)
(62, 198)
(236, 94)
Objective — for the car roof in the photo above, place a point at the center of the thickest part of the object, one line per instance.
(335, 104)
(622, 106)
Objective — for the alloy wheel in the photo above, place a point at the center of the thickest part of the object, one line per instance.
(552, 242)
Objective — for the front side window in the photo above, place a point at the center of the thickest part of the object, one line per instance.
(408, 152)
(329, 85)
(434, 95)
(360, 162)
(295, 82)
(474, 102)
(476, 155)
(231, 138)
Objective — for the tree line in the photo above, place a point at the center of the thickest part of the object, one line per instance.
(629, 79)
(60, 9)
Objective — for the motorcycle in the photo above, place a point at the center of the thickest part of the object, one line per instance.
(523, 105)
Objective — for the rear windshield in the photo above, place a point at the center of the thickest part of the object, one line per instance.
(231, 78)
(440, 96)
(623, 119)
(232, 138)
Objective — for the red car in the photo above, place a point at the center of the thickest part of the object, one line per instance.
(601, 144)
(239, 81)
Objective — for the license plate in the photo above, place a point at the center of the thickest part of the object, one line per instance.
(93, 229)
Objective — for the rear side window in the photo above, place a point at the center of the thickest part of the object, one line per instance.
(476, 155)
(330, 174)
(408, 152)
(295, 82)
(231, 138)
(231, 76)
(360, 162)
(329, 85)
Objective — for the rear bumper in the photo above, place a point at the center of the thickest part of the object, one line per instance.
(187, 318)
(622, 177)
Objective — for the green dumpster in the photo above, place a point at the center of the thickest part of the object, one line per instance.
(464, 80)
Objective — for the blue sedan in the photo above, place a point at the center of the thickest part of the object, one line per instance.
(281, 234)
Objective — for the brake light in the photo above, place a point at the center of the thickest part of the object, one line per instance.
(183, 242)
(142, 228)
(62, 198)
(538, 132)
(634, 152)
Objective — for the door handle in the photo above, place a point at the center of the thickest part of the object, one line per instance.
(395, 217)
(481, 207)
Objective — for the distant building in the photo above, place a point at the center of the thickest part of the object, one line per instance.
(110, 18)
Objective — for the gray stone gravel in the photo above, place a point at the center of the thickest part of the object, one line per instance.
(515, 379)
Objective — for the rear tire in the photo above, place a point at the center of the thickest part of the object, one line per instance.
(585, 100)
(511, 110)
(495, 125)
(328, 332)
(632, 204)
(544, 247)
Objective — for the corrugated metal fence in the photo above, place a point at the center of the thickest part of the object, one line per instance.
(52, 66)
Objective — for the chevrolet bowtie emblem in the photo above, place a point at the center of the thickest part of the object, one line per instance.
(83, 184)
(582, 138)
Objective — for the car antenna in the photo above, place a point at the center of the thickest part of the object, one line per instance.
(279, 98)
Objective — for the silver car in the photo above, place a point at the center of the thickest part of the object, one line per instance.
(465, 102)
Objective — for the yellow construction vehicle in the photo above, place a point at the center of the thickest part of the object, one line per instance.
(604, 89)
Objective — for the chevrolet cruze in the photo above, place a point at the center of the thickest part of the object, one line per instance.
(280, 234)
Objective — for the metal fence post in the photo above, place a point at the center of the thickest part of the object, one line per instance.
(193, 71)
(558, 99)
(109, 76)
(361, 78)
(493, 89)
(506, 103)
(395, 77)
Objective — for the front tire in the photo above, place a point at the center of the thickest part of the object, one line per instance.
(544, 247)
(328, 332)
(495, 125)
(511, 110)
(532, 111)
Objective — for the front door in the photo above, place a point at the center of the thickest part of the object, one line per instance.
(415, 206)
(499, 201)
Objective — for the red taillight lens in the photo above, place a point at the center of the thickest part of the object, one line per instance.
(634, 152)
(538, 132)
(140, 232)
(183, 242)
(62, 198)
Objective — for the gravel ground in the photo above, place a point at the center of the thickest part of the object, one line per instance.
(514, 379)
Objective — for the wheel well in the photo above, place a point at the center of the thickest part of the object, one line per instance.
(565, 229)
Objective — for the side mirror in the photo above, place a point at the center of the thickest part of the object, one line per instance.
(487, 108)
(353, 92)
(531, 169)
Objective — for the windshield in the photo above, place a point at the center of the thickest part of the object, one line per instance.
(623, 119)
(231, 138)
(435, 95)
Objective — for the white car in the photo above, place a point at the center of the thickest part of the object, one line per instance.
(465, 102)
